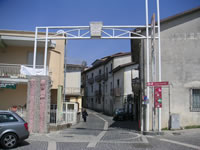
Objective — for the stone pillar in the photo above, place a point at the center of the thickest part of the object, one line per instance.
(38, 104)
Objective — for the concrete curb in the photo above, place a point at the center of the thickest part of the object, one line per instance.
(59, 127)
(153, 133)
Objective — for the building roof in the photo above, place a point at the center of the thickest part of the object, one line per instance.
(171, 18)
(74, 67)
(187, 12)
(21, 38)
(123, 66)
(104, 60)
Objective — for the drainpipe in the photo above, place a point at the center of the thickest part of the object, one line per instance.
(113, 86)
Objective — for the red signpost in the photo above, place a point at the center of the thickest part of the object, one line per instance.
(158, 92)
(158, 83)
(158, 97)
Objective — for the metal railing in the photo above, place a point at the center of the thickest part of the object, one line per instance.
(53, 113)
(98, 78)
(98, 93)
(73, 91)
(91, 80)
(67, 116)
(13, 70)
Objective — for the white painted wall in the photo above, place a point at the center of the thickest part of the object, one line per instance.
(73, 81)
(127, 78)
(121, 60)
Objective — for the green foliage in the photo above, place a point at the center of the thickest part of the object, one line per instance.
(192, 127)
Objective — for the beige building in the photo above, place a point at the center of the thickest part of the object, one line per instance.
(16, 58)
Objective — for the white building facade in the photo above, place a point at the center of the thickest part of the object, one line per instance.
(108, 82)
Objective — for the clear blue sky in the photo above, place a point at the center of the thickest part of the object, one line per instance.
(27, 14)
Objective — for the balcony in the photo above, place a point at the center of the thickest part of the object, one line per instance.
(91, 80)
(117, 92)
(72, 91)
(98, 78)
(105, 77)
(20, 71)
(98, 93)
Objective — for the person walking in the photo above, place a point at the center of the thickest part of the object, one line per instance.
(84, 115)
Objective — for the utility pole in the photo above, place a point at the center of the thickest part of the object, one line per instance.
(147, 48)
(159, 61)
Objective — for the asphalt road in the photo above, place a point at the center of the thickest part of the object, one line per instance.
(100, 132)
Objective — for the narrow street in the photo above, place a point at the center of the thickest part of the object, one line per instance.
(100, 132)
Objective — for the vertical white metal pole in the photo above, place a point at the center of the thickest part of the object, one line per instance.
(65, 67)
(159, 60)
(35, 48)
(45, 53)
(147, 47)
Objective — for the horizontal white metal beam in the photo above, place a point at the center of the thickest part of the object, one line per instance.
(78, 38)
(86, 27)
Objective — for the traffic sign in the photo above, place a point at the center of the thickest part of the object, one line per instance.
(158, 97)
(158, 83)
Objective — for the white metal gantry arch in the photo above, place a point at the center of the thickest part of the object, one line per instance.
(104, 32)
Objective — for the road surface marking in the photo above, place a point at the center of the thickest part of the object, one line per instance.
(180, 143)
(106, 122)
(94, 142)
(144, 139)
(51, 145)
(149, 136)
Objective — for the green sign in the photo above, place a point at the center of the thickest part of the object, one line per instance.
(159, 100)
(8, 85)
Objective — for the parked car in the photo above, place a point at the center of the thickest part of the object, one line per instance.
(13, 129)
(119, 114)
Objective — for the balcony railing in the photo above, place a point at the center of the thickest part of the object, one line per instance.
(91, 80)
(19, 71)
(105, 77)
(98, 78)
(73, 91)
(98, 93)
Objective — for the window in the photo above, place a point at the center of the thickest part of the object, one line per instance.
(100, 87)
(92, 75)
(7, 118)
(117, 83)
(67, 99)
(99, 100)
(195, 100)
(111, 67)
(106, 70)
(39, 58)
(92, 88)
(70, 106)
(106, 88)
(99, 71)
